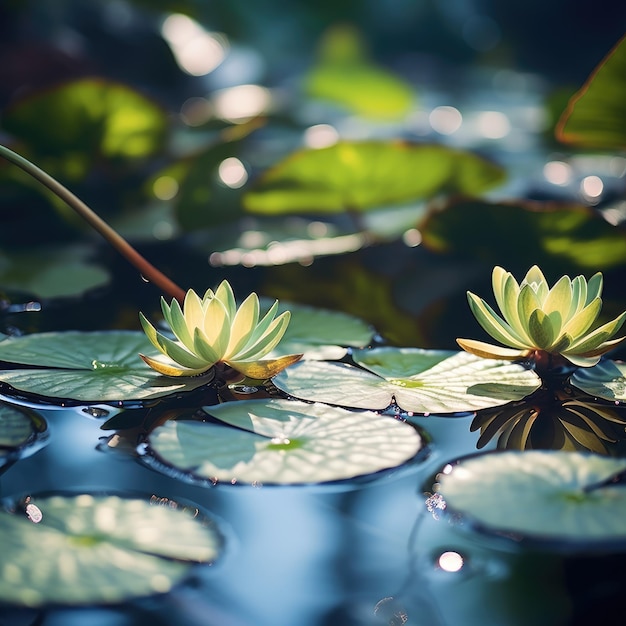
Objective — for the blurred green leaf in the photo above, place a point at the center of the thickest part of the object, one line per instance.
(51, 273)
(596, 115)
(345, 76)
(564, 237)
(359, 176)
(88, 119)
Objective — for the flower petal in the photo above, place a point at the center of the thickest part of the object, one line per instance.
(492, 323)
(170, 348)
(224, 293)
(202, 347)
(244, 323)
(179, 325)
(541, 329)
(489, 351)
(193, 311)
(216, 326)
(526, 304)
(582, 321)
(594, 287)
(598, 336)
(260, 370)
(268, 341)
(537, 282)
(559, 298)
(171, 370)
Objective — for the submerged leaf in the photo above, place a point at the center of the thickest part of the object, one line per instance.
(284, 442)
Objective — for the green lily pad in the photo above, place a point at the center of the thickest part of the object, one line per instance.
(420, 381)
(84, 549)
(284, 442)
(605, 380)
(90, 116)
(321, 333)
(567, 237)
(88, 366)
(359, 176)
(596, 115)
(52, 273)
(544, 496)
(345, 76)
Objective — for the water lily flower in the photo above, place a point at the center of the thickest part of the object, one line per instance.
(212, 330)
(538, 320)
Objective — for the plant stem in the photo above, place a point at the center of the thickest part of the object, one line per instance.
(147, 270)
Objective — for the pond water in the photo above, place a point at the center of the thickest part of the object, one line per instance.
(360, 552)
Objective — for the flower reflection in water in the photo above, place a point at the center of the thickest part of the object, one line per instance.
(562, 419)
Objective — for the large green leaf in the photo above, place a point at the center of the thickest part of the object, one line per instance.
(51, 273)
(421, 381)
(539, 495)
(564, 237)
(605, 380)
(87, 549)
(88, 366)
(596, 114)
(88, 117)
(284, 442)
(359, 176)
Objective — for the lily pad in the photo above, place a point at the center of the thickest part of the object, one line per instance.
(344, 75)
(52, 273)
(84, 549)
(284, 442)
(421, 381)
(605, 380)
(88, 366)
(321, 333)
(360, 176)
(596, 114)
(90, 116)
(543, 496)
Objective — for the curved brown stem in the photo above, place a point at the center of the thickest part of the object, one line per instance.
(147, 270)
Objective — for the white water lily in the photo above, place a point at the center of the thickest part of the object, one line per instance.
(212, 330)
(537, 319)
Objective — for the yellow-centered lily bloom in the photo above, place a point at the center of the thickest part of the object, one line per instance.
(537, 318)
(212, 330)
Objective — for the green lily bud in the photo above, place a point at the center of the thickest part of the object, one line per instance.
(212, 330)
(537, 318)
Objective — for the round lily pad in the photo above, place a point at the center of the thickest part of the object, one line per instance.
(605, 380)
(550, 497)
(421, 381)
(283, 442)
(321, 333)
(20, 430)
(100, 366)
(84, 549)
